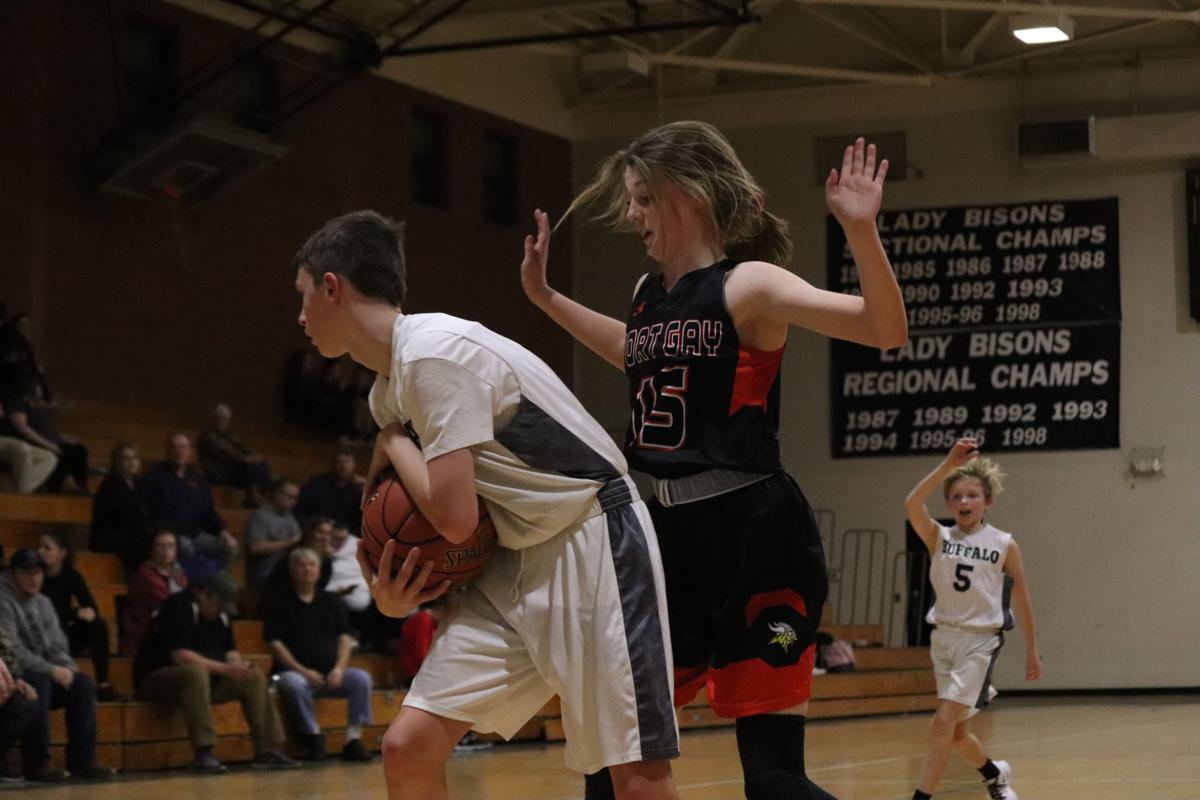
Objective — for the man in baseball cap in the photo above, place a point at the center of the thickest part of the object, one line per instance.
(42, 655)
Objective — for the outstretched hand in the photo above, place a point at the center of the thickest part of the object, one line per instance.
(537, 256)
(401, 594)
(855, 194)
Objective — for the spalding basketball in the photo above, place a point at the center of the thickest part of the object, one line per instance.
(390, 513)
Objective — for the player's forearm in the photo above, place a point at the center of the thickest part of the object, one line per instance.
(928, 485)
(1023, 610)
(449, 507)
(601, 334)
(884, 303)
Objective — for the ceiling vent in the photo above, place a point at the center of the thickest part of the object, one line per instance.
(191, 163)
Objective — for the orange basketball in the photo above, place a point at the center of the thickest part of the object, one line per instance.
(391, 514)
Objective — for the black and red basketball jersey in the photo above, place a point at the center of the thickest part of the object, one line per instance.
(699, 399)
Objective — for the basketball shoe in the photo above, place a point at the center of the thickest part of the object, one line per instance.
(998, 788)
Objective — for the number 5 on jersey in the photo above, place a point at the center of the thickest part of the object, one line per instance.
(659, 419)
(962, 577)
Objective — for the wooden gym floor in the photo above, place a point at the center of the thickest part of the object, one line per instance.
(1092, 748)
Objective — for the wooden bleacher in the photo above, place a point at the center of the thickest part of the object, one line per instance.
(136, 736)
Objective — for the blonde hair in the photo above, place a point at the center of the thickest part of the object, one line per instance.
(697, 158)
(984, 470)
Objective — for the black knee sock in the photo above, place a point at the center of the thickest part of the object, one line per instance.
(771, 747)
(989, 771)
(598, 786)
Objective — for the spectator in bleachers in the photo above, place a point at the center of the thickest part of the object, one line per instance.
(158, 577)
(308, 632)
(78, 615)
(178, 494)
(120, 522)
(18, 710)
(189, 661)
(33, 419)
(17, 355)
(317, 533)
(271, 530)
(30, 466)
(228, 461)
(345, 576)
(336, 494)
(41, 652)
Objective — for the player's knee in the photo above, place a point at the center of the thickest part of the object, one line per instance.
(640, 780)
(403, 754)
(942, 724)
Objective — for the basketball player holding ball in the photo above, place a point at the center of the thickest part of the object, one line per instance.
(572, 601)
(701, 349)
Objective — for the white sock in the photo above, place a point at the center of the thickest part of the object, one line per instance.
(353, 732)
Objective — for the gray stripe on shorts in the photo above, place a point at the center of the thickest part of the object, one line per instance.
(982, 701)
(643, 627)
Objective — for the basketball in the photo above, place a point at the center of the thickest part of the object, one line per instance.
(391, 514)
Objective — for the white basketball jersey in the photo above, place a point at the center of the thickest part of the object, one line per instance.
(967, 573)
(539, 456)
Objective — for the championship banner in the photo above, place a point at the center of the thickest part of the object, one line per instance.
(1014, 332)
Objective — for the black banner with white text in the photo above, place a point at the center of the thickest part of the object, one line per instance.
(1014, 325)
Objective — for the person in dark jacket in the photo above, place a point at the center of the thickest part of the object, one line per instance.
(120, 519)
(336, 494)
(228, 461)
(178, 494)
(78, 615)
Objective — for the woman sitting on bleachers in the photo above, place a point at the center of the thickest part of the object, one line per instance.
(120, 521)
(156, 579)
(86, 630)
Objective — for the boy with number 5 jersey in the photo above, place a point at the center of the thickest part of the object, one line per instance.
(975, 570)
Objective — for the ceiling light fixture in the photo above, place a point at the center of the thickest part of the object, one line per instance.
(1042, 28)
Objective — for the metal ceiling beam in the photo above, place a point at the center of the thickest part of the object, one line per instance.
(305, 21)
(597, 96)
(971, 48)
(625, 30)
(901, 52)
(1160, 14)
(791, 70)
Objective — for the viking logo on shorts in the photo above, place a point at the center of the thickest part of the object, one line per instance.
(784, 636)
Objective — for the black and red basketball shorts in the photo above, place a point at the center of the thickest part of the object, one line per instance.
(746, 583)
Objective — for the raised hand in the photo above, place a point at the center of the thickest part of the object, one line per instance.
(855, 194)
(537, 256)
(963, 451)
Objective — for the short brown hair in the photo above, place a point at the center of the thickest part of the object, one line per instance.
(984, 470)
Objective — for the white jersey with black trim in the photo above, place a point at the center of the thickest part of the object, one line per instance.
(539, 456)
(967, 574)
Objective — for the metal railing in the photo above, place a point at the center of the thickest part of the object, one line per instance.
(857, 582)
